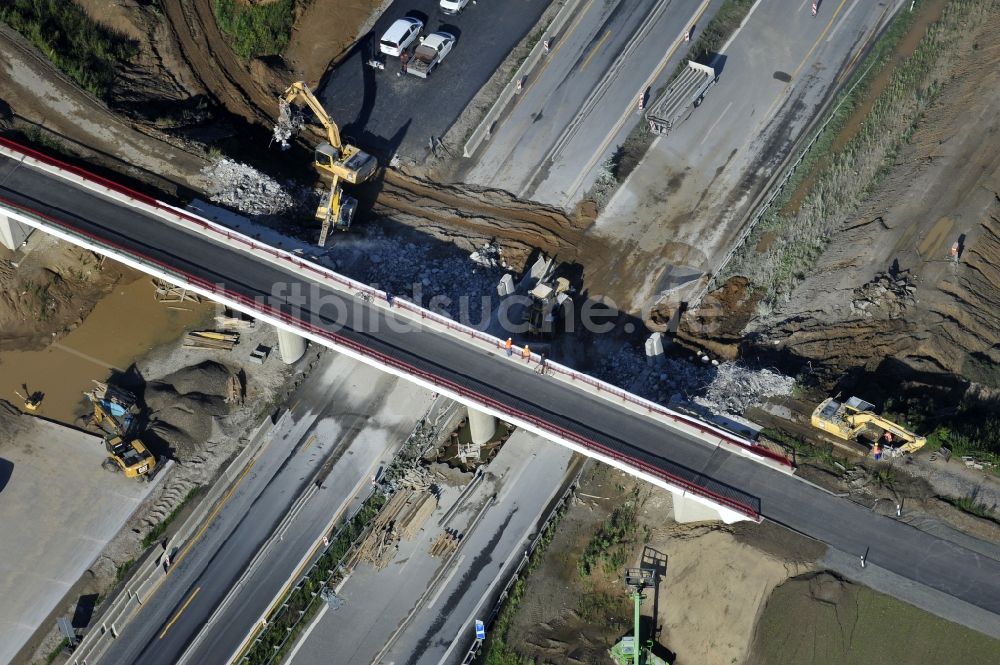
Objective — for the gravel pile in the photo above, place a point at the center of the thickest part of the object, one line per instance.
(253, 193)
(727, 387)
(441, 278)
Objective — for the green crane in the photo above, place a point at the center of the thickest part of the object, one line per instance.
(630, 650)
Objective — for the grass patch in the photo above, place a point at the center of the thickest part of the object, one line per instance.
(158, 530)
(123, 569)
(254, 30)
(611, 546)
(497, 649)
(805, 451)
(604, 609)
(87, 51)
(51, 658)
(971, 429)
(971, 505)
(842, 179)
(794, 627)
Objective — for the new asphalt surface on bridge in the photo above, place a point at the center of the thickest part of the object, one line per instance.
(851, 528)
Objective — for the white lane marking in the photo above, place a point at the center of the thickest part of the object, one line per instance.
(444, 583)
(715, 124)
(304, 637)
(843, 19)
(737, 31)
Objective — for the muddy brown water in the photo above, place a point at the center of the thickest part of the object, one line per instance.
(124, 326)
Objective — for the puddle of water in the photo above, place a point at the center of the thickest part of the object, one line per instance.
(124, 326)
(929, 13)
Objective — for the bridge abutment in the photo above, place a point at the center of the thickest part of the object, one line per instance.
(291, 346)
(688, 510)
(12, 232)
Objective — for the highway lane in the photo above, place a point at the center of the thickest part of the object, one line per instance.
(377, 431)
(327, 410)
(782, 498)
(386, 113)
(412, 610)
(607, 50)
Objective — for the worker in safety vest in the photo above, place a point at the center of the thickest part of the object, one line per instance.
(526, 353)
(509, 346)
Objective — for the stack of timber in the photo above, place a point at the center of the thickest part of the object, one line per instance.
(211, 339)
(401, 519)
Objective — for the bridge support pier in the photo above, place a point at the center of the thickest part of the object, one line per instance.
(12, 232)
(291, 346)
(688, 510)
(482, 426)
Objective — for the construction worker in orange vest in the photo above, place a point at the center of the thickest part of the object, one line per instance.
(526, 353)
(509, 346)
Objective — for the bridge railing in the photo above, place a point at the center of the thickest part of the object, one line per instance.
(355, 287)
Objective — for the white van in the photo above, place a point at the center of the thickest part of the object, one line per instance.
(453, 6)
(400, 35)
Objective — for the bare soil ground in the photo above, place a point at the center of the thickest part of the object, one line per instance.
(50, 290)
(716, 580)
(943, 188)
(819, 619)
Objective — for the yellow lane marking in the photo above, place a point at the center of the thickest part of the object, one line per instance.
(311, 440)
(552, 52)
(594, 51)
(180, 612)
(821, 36)
(621, 121)
(211, 517)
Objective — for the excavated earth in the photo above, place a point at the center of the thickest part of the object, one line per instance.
(885, 291)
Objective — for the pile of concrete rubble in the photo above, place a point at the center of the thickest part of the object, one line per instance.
(251, 192)
(886, 296)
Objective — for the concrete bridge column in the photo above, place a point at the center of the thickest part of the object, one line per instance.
(482, 426)
(12, 232)
(291, 346)
(688, 510)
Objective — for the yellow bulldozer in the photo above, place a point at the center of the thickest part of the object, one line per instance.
(855, 420)
(115, 411)
(333, 159)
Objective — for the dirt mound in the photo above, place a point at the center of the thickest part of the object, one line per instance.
(470, 216)
(184, 405)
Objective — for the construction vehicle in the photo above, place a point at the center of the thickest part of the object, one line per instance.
(31, 400)
(115, 413)
(333, 159)
(548, 293)
(129, 456)
(631, 650)
(855, 420)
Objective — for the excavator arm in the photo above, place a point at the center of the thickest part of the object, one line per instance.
(910, 442)
(300, 91)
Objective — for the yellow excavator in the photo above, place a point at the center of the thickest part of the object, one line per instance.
(115, 412)
(333, 159)
(855, 420)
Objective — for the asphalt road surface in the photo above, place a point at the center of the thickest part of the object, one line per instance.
(343, 409)
(517, 389)
(588, 81)
(386, 113)
(775, 75)
(417, 609)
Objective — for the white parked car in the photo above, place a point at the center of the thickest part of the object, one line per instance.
(432, 50)
(400, 35)
(453, 6)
